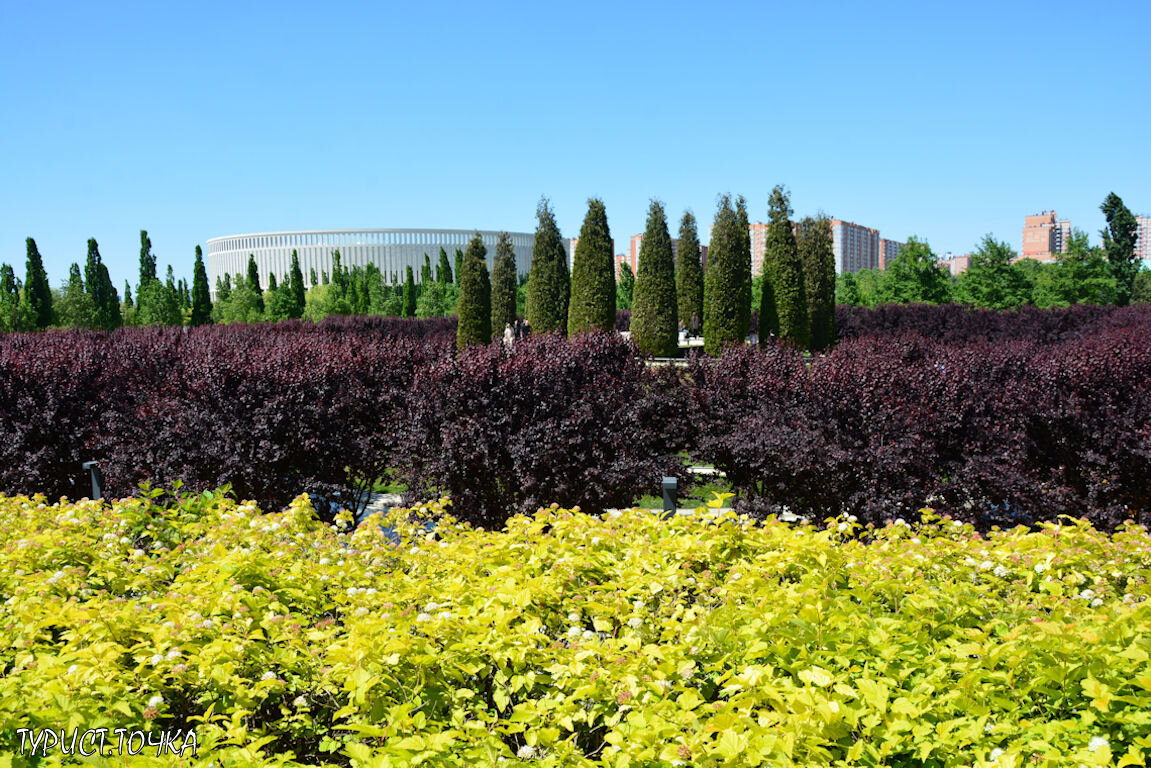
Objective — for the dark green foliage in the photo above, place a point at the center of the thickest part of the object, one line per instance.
(814, 240)
(724, 321)
(503, 284)
(1119, 245)
(459, 264)
(36, 287)
(547, 291)
(847, 290)
(409, 305)
(1142, 288)
(768, 323)
(444, 269)
(625, 288)
(15, 314)
(1079, 276)
(99, 286)
(147, 261)
(128, 296)
(426, 272)
(688, 272)
(744, 262)
(592, 302)
(312, 277)
(201, 297)
(254, 279)
(475, 312)
(75, 308)
(654, 313)
(297, 287)
(914, 276)
(991, 281)
(783, 277)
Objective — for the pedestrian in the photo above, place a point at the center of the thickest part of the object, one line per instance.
(509, 336)
(694, 327)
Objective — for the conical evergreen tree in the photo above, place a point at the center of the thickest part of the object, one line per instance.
(409, 305)
(689, 272)
(147, 261)
(459, 264)
(723, 282)
(744, 263)
(592, 302)
(37, 290)
(783, 272)
(76, 309)
(105, 300)
(653, 314)
(475, 313)
(426, 272)
(814, 240)
(625, 287)
(201, 296)
(503, 284)
(128, 295)
(444, 269)
(254, 280)
(296, 281)
(547, 290)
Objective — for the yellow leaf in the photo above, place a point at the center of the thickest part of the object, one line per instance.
(1134, 756)
(816, 676)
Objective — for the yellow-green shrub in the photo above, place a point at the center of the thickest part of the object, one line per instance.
(706, 640)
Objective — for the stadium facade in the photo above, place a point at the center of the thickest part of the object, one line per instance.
(391, 250)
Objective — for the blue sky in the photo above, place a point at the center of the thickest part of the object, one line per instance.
(945, 121)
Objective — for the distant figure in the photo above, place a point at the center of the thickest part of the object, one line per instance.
(520, 330)
(509, 336)
(683, 331)
(527, 328)
(694, 326)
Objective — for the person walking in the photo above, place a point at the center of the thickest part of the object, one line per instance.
(694, 327)
(509, 336)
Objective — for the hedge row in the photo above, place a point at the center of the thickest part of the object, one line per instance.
(991, 432)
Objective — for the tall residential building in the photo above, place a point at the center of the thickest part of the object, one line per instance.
(856, 247)
(1039, 238)
(888, 250)
(1143, 238)
(955, 264)
(1062, 235)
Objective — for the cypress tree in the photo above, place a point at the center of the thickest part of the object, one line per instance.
(147, 261)
(1119, 239)
(426, 272)
(273, 284)
(475, 312)
(36, 287)
(783, 272)
(459, 264)
(105, 301)
(127, 295)
(201, 296)
(547, 298)
(76, 309)
(503, 284)
(654, 311)
(296, 280)
(814, 240)
(312, 276)
(744, 264)
(254, 281)
(409, 305)
(625, 287)
(689, 272)
(444, 269)
(723, 282)
(592, 301)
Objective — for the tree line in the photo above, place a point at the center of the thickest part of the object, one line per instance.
(996, 278)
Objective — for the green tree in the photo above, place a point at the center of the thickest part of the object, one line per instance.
(201, 296)
(654, 312)
(15, 312)
(914, 276)
(1142, 288)
(784, 283)
(444, 269)
(1079, 276)
(74, 305)
(816, 252)
(724, 322)
(847, 290)
(313, 281)
(475, 313)
(1119, 246)
(592, 302)
(253, 280)
(547, 298)
(297, 286)
(105, 300)
(426, 272)
(744, 263)
(409, 304)
(625, 287)
(689, 272)
(991, 281)
(37, 290)
(503, 284)
(459, 264)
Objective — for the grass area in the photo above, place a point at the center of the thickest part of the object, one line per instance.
(696, 495)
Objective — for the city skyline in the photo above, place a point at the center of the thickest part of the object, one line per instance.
(126, 118)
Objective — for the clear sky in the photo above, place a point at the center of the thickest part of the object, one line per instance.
(195, 120)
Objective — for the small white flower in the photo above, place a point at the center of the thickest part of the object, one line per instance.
(156, 701)
(72, 669)
(123, 539)
(986, 565)
(340, 563)
(156, 659)
(595, 540)
(526, 752)
(299, 702)
(432, 606)
(900, 521)
(370, 591)
(351, 591)
(109, 537)
(1097, 602)
(842, 527)
(445, 615)
(424, 617)
(268, 676)
(236, 587)
(1098, 742)
(736, 576)
(173, 654)
(414, 550)
(635, 622)
(137, 553)
(1087, 594)
(588, 634)
(573, 617)
(574, 631)
(996, 753)
(852, 519)
(206, 624)
(324, 561)
(361, 611)
(1000, 571)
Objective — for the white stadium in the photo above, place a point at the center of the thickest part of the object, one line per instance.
(391, 250)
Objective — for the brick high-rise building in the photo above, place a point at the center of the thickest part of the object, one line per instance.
(1039, 236)
(632, 256)
(856, 247)
(888, 250)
